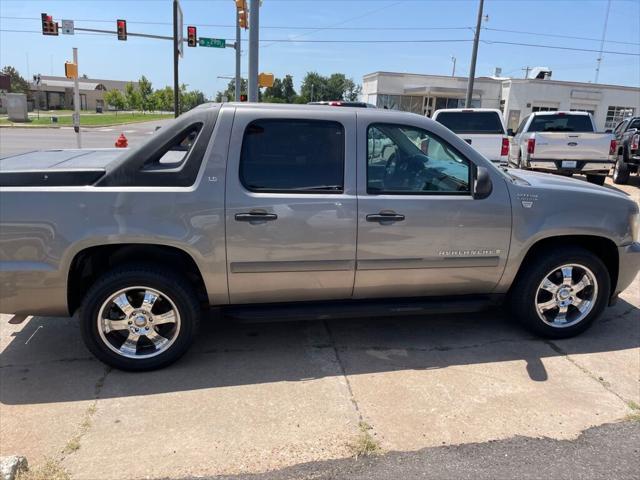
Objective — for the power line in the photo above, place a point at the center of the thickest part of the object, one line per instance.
(556, 35)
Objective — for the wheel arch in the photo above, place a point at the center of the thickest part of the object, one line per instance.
(604, 248)
(90, 263)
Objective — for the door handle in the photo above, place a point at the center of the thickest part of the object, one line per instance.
(384, 217)
(255, 217)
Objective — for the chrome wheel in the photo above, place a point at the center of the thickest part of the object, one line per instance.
(566, 295)
(138, 322)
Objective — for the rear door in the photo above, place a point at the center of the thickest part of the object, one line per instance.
(420, 231)
(291, 205)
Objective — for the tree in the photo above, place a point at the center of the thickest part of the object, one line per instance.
(18, 84)
(132, 97)
(313, 88)
(116, 99)
(145, 89)
(163, 99)
(274, 93)
(230, 91)
(337, 86)
(288, 92)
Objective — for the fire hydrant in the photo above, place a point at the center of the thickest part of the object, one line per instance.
(122, 141)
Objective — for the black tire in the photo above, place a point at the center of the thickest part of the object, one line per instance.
(172, 286)
(621, 171)
(524, 292)
(596, 179)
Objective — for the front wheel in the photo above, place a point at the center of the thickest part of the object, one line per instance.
(139, 318)
(560, 293)
(596, 179)
(620, 171)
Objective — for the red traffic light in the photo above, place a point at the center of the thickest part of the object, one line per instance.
(243, 98)
(49, 27)
(192, 36)
(122, 29)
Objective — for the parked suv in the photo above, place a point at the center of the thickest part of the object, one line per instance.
(290, 210)
(627, 134)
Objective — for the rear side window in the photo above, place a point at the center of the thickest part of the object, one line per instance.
(471, 122)
(561, 123)
(283, 156)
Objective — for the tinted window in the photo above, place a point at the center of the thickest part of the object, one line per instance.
(293, 155)
(471, 122)
(561, 123)
(634, 124)
(408, 160)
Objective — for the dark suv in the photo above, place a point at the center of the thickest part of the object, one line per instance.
(627, 134)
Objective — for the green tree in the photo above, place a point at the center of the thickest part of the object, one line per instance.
(116, 99)
(190, 99)
(274, 93)
(162, 99)
(18, 84)
(313, 88)
(288, 92)
(145, 90)
(230, 91)
(337, 86)
(132, 96)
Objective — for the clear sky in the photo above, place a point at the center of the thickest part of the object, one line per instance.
(552, 21)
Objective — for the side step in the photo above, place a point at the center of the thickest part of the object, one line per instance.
(332, 310)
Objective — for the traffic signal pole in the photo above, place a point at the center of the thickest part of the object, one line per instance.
(76, 102)
(176, 86)
(254, 37)
(238, 52)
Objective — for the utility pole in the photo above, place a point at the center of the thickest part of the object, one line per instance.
(76, 101)
(238, 52)
(526, 71)
(474, 56)
(453, 71)
(604, 34)
(176, 86)
(254, 39)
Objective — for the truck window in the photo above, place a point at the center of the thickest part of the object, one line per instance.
(471, 122)
(634, 124)
(522, 124)
(408, 161)
(561, 123)
(293, 156)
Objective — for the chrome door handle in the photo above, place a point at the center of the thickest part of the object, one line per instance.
(255, 217)
(384, 217)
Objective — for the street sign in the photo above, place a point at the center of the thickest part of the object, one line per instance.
(212, 42)
(67, 27)
(180, 31)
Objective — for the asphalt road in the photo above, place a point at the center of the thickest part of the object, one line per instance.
(610, 452)
(25, 139)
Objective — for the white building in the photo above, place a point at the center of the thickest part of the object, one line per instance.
(517, 98)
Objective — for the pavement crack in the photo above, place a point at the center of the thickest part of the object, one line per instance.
(606, 385)
(73, 445)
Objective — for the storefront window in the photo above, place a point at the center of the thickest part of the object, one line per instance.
(616, 114)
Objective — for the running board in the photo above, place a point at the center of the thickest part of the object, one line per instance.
(332, 310)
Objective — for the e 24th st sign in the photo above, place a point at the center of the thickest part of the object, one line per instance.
(212, 42)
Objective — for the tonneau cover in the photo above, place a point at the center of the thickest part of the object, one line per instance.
(56, 167)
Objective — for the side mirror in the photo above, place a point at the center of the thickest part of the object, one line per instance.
(482, 186)
(510, 132)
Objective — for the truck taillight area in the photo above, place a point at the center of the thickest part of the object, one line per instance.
(531, 145)
(613, 147)
(504, 151)
(635, 141)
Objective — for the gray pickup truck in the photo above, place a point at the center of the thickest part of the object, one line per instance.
(287, 210)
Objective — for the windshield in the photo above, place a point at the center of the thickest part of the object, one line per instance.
(471, 122)
(561, 123)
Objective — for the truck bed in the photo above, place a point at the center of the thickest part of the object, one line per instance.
(55, 168)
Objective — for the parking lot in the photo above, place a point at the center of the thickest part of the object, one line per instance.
(251, 398)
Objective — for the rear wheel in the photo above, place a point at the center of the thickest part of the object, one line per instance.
(620, 171)
(596, 179)
(139, 318)
(560, 294)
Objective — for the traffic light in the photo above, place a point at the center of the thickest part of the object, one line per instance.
(243, 98)
(241, 6)
(122, 29)
(49, 27)
(192, 36)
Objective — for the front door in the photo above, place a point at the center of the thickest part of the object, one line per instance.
(291, 206)
(420, 231)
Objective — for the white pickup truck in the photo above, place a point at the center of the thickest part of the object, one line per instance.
(482, 128)
(565, 143)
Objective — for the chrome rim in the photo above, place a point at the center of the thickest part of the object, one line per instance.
(566, 295)
(138, 322)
